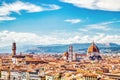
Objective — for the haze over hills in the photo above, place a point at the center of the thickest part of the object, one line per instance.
(60, 48)
(78, 47)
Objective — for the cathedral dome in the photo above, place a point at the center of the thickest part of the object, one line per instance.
(93, 48)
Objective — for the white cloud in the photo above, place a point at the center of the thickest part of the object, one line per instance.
(7, 9)
(7, 37)
(102, 38)
(100, 26)
(73, 21)
(108, 5)
(6, 18)
(95, 27)
(51, 7)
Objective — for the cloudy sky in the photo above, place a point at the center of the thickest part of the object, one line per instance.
(43, 22)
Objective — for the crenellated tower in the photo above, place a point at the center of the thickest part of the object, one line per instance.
(14, 48)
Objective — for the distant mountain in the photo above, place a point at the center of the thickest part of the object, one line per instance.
(78, 47)
(61, 48)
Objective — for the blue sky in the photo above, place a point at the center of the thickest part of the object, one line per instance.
(59, 21)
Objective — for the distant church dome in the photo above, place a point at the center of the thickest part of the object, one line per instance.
(93, 48)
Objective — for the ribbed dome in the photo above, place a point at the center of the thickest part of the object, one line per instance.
(93, 48)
